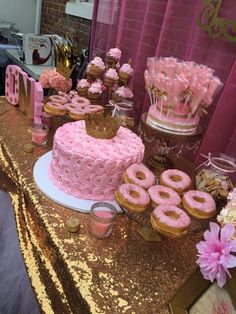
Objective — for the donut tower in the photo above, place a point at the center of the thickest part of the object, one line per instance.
(179, 93)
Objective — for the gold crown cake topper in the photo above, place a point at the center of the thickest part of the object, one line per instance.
(102, 125)
(66, 57)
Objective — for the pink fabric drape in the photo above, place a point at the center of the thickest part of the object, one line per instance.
(169, 28)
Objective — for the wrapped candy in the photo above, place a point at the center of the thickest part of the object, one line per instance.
(214, 86)
(171, 82)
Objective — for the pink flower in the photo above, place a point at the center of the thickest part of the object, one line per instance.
(53, 79)
(44, 78)
(214, 256)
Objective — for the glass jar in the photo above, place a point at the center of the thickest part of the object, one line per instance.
(125, 111)
(214, 176)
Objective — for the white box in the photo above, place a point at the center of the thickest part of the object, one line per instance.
(38, 50)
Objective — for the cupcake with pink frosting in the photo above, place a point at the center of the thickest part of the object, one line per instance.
(125, 73)
(113, 57)
(110, 78)
(122, 93)
(82, 87)
(95, 68)
(95, 92)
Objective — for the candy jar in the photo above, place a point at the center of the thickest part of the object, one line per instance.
(214, 176)
(125, 111)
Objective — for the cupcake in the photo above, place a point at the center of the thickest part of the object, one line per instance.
(110, 78)
(122, 93)
(95, 68)
(113, 57)
(82, 87)
(95, 92)
(125, 73)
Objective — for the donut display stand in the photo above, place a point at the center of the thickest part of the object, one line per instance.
(46, 186)
(149, 234)
(143, 219)
(165, 142)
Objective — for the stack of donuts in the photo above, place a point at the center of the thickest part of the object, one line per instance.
(76, 107)
(172, 201)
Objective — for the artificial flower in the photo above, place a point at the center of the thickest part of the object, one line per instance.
(44, 78)
(214, 256)
(53, 79)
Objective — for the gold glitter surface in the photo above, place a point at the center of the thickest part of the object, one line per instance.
(77, 273)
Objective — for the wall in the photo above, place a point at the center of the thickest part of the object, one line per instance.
(55, 21)
(22, 13)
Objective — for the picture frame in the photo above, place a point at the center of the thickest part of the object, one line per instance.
(198, 295)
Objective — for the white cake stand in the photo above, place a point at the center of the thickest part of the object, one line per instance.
(46, 186)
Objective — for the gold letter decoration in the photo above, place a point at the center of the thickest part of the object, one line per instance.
(209, 20)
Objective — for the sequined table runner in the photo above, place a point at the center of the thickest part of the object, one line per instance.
(76, 273)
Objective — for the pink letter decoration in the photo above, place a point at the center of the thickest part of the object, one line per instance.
(12, 84)
(24, 91)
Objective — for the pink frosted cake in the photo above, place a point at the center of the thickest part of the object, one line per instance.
(92, 168)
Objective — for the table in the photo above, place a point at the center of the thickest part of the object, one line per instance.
(33, 70)
(76, 273)
(4, 59)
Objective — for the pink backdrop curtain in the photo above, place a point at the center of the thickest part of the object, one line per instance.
(168, 28)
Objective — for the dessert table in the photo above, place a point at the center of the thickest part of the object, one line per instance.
(77, 273)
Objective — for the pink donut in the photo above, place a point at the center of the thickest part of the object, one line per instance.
(80, 100)
(71, 106)
(58, 99)
(140, 175)
(56, 105)
(199, 204)
(78, 111)
(93, 108)
(170, 220)
(132, 197)
(162, 195)
(175, 179)
(54, 108)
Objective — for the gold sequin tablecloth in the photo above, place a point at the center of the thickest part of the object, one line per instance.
(76, 273)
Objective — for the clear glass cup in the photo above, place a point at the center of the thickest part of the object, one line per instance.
(102, 216)
(39, 134)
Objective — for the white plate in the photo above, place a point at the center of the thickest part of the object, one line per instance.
(46, 186)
